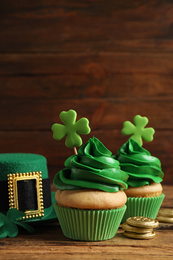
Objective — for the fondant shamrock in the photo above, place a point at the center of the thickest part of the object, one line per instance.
(71, 129)
(9, 222)
(138, 130)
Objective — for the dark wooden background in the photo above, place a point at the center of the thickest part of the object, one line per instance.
(108, 60)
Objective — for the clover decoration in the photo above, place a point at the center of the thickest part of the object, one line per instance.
(71, 129)
(138, 130)
(9, 223)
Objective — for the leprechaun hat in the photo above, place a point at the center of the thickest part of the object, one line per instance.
(25, 185)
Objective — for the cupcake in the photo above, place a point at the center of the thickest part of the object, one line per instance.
(90, 197)
(144, 193)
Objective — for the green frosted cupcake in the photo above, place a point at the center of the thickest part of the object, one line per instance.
(90, 197)
(144, 193)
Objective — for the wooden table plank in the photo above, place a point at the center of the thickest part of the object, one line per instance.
(89, 85)
(83, 26)
(96, 64)
(48, 242)
(103, 114)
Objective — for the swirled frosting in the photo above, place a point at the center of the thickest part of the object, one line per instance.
(141, 167)
(94, 168)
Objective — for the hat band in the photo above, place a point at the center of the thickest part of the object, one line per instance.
(27, 195)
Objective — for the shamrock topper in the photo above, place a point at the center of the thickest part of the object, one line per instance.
(138, 130)
(71, 129)
(8, 223)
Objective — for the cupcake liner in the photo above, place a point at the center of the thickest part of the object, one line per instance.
(146, 207)
(89, 225)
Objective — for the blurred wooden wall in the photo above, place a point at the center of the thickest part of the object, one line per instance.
(108, 60)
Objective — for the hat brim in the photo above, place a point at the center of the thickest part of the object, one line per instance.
(49, 213)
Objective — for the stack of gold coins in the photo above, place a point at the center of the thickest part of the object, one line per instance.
(140, 227)
(165, 215)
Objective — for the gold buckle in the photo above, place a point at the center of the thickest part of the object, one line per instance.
(13, 192)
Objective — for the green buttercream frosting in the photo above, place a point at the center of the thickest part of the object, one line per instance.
(94, 168)
(141, 167)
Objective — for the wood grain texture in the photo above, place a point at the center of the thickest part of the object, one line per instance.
(98, 65)
(103, 114)
(82, 75)
(48, 242)
(109, 62)
(88, 85)
(61, 26)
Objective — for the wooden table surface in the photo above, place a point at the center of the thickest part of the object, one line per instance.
(48, 242)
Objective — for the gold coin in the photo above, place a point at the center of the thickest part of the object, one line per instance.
(140, 230)
(165, 212)
(139, 236)
(144, 222)
(164, 219)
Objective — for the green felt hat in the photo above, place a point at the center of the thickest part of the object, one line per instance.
(25, 185)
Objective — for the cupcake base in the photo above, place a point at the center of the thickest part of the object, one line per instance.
(146, 207)
(89, 225)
